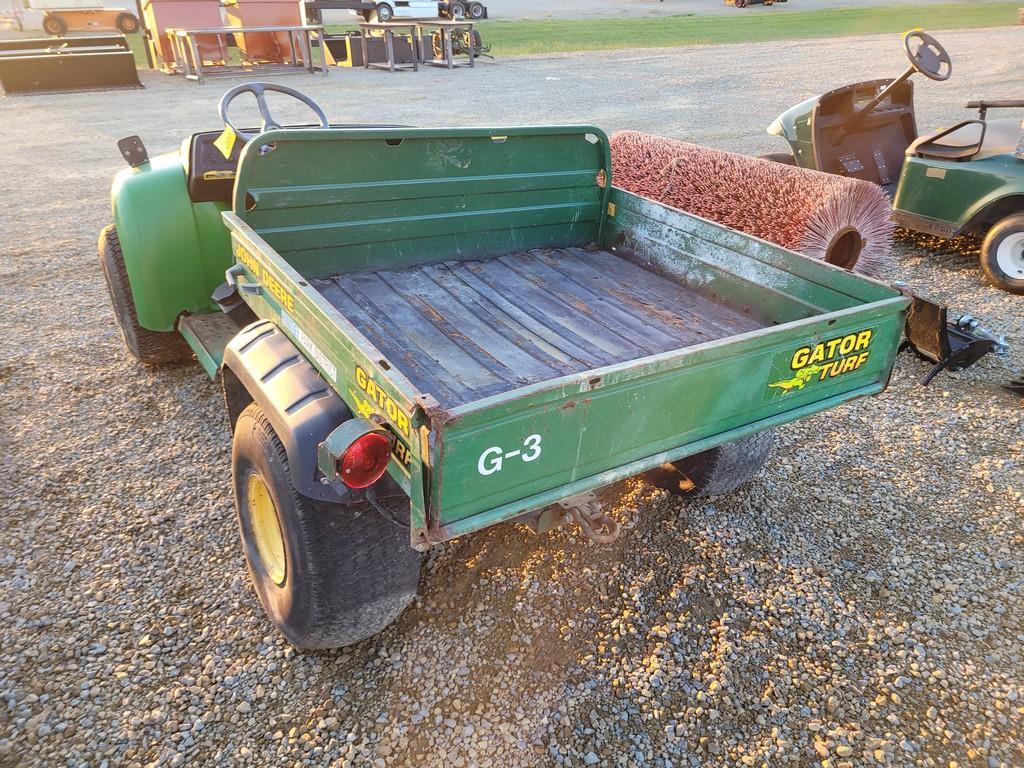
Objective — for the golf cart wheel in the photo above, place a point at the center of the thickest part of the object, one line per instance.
(327, 575)
(475, 11)
(54, 25)
(127, 24)
(727, 467)
(385, 12)
(151, 347)
(457, 11)
(1002, 254)
(786, 158)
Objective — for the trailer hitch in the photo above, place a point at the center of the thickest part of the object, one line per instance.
(586, 510)
(950, 345)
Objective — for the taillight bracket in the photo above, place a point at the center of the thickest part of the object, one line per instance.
(331, 451)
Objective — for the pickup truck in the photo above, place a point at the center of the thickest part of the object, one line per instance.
(424, 332)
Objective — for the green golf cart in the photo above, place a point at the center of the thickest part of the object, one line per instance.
(968, 178)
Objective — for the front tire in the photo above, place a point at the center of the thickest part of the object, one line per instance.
(475, 11)
(384, 13)
(457, 11)
(1002, 254)
(727, 467)
(327, 575)
(150, 347)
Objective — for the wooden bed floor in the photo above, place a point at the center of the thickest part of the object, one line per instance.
(464, 330)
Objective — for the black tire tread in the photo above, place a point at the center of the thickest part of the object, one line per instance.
(727, 467)
(150, 347)
(359, 571)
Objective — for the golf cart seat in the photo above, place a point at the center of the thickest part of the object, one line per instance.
(969, 140)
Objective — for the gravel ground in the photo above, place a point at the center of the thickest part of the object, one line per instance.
(858, 604)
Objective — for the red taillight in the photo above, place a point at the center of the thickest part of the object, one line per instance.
(365, 460)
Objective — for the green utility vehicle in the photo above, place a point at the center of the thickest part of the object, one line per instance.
(968, 178)
(426, 332)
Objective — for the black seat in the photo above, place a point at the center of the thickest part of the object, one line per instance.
(969, 140)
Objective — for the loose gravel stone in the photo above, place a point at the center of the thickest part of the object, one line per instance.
(859, 603)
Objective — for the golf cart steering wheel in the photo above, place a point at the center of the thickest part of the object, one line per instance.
(257, 90)
(928, 56)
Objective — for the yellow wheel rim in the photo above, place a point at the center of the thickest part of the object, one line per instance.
(266, 529)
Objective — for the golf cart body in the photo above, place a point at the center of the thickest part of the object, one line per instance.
(818, 131)
(964, 179)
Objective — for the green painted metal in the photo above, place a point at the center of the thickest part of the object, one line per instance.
(209, 361)
(794, 125)
(637, 412)
(339, 352)
(333, 201)
(175, 250)
(950, 195)
(208, 335)
(324, 202)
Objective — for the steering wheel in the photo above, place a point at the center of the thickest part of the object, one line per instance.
(257, 90)
(928, 56)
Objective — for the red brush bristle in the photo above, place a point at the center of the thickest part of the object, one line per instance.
(798, 209)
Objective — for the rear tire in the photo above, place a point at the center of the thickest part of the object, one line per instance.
(1002, 254)
(727, 467)
(127, 24)
(786, 158)
(385, 13)
(151, 347)
(475, 11)
(457, 11)
(55, 26)
(339, 573)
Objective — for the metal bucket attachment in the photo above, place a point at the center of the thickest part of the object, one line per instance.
(49, 65)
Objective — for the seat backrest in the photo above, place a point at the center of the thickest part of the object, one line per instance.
(1002, 137)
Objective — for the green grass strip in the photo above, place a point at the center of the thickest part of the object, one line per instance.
(748, 25)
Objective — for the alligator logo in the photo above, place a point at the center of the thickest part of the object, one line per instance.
(364, 408)
(797, 382)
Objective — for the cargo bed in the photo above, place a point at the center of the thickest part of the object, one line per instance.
(526, 330)
(464, 330)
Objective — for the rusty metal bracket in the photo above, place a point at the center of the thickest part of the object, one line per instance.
(586, 510)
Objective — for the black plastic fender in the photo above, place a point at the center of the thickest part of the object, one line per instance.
(261, 364)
